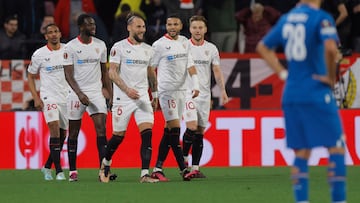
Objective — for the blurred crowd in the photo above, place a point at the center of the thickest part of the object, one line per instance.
(234, 25)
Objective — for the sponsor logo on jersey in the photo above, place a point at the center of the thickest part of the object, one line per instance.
(136, 62)
(97, 50)
(65, 55)
(201, 62)
(53, 68)
(83, 61)
(176, 56)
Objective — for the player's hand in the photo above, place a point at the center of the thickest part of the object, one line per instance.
(154, 103)
(84, 99)
(132, 93)
(38, 103)
(324, 79)
(195, 93)
(225, 98)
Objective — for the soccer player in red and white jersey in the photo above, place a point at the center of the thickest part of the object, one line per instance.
(196, 114)
(47, 61)
(174, 63)
(132, 76)
(86, 73)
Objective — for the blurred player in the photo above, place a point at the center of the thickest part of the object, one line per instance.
(174, 63)
(309, 37)
(132, 75)
(86, 73)
(47, 61)
(197, 110)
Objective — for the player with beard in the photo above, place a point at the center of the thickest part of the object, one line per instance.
(197, 110)
(132, 76)
(47, 61)
(86, 72)
(174, 63)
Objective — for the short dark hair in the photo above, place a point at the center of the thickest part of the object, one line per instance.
(11, 17)
(130, 17)
(81, 19)
(49, 25)
(198, 18)
(174, 15)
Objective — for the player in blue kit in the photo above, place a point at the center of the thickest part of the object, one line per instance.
(309, 37)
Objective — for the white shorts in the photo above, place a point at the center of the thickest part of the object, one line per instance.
(56, 112)
(122, 111)
(197, 110)
(76, 109)
(172, 104)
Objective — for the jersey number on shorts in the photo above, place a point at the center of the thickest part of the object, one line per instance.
(295, 48)
(75, 105)
(51, 106)
(119, 110)
(190, 105)
(172, 104)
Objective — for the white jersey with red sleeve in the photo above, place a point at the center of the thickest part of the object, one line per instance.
(205, 56)
(86, 59)
(134, 60)
(172, 59)
(49, 64)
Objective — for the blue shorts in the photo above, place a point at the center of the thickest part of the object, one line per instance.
(312, 125)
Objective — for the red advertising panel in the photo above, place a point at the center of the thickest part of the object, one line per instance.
(232, 138)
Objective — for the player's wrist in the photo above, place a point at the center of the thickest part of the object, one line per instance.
(195, 81)
(283, 74)
(154, 94)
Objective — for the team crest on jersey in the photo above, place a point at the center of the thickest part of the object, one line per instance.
(146, 53)
(97, 50)
(65, 55)
(113, 52)
(207, 52)
(184, 45)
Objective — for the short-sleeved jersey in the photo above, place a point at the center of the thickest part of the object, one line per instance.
(172, 59)
(205, 56)
(86, 59)
(49, 64)
(134, 60)
(302, 32)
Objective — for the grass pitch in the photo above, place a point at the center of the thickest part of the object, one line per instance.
(233, 184)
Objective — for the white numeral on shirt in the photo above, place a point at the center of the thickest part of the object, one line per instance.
(295, 48)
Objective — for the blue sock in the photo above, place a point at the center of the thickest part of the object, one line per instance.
(300, 178)
(336, 177)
